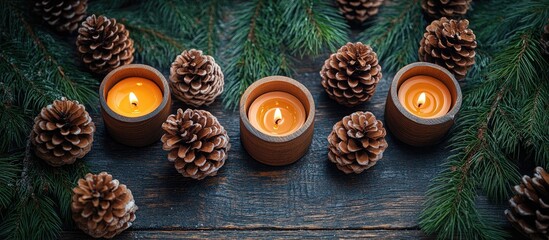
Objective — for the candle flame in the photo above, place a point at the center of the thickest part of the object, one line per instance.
(133, 99)
(421, 99)
(277, 116)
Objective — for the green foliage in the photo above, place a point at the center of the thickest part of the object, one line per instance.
(312, 25)
(37, 68)
(258, 49)
(502, 121)
(395, 34)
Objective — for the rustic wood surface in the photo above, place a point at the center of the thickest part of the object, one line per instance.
(309, 198)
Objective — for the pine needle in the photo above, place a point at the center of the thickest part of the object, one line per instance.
(395, 34)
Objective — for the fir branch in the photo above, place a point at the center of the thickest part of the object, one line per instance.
(37, 72)
(489, 134)
(311, 25)
(395, 34)
(209, 27)
(255, 47)
(10, 169)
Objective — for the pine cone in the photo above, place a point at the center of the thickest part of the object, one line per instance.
(196, 79)
(63, 15)
(350, 76)
(104, 44)
(435, 9)
(101, 206)
(545, 40)
(449, 43)
(196, 142)
(358, 11)
(357, 142)
(62, 132)
(529, 208)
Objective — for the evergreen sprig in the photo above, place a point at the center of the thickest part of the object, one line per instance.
(395, 34)
(502, 122)
(266, 33)
(37, 67)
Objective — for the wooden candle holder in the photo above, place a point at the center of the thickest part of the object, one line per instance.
(414, 130)
(135, 131)
(276, 150)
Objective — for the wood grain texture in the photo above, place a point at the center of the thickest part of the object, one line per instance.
(263, 234)
(250, 199)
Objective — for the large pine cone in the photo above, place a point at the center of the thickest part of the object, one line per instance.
(196, 142)
(104, 44)
(435, 9)
(196, 79)
(63, 15)
(449, 43)
(350, 75)
(358, 11)
(101, 206)
(545, 40)
(356, 142)
(529, 208)
(62, 132)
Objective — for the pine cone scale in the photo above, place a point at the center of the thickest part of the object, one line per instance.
(352, 147)
(351, 75)
(196, 79)
(449, 43)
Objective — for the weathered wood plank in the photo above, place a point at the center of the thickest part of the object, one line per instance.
(310, 194)
(262, 234)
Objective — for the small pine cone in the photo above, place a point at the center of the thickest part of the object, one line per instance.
(62, 132)
(196, 79)
(104, 44)
(101, 206)
(196, 142)
(350, 75)
(358, 11)
(529, 208)
(435, 9)
(63, 15)
(450, 44)
(357, 142)
(545, 40)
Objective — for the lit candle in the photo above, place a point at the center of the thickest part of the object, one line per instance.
(425, 96)
(276, 113)
(134, 97)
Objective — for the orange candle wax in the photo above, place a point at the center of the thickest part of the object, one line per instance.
(276, 113)
(425, 96)
(134, 97)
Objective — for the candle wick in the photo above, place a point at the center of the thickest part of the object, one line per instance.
(277, 121)
(419, 105)
(134, 104)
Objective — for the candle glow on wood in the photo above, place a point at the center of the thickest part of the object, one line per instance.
(425, 96)
(276, 113)
(134, 97)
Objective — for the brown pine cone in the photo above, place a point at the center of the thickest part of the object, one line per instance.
(196, 79)
(104, 44)
(435, 9)
(63, 15)
(529, 208)
(62, 132)
(545, 40)
(357, 142)
(358, 11)
(196, 142)
(350, 75)
(449, 43)
(101, 206)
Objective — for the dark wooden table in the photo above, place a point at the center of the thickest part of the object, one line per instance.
(247, 199)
